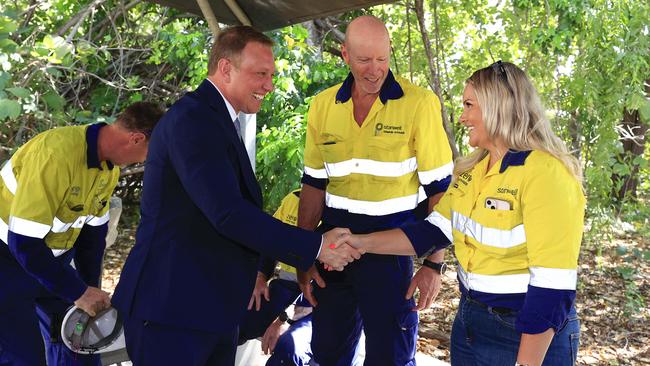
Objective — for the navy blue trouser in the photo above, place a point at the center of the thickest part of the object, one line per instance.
(154, 344)
(294, 346)
(482, 337)
(370, 294)
(30, 319)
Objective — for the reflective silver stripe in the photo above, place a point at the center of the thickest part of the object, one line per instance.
(429, 176)
(288, 276)
(98, 221)
(555, 278)
(4, 231)
(372, 208)
(4, 236)
(442, 223)
(422, 194)
(9, 178)
(487, 235)
(316, 173)
(60, 227)
(59, 252)
(29, 228)
(494, 284)
(372, 167)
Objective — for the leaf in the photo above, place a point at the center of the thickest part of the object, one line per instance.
(644, 111)
(9, 108)
(19, 92)
(7, 25)
(4, 78)
(50, 42)
(54, 101)
(8, 45)
(54, 71)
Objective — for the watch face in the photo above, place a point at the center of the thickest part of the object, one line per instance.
(443, 268)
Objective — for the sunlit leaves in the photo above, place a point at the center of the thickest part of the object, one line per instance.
(9, 109)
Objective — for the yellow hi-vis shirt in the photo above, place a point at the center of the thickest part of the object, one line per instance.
(288, 213)
(377, 168)
(517, 224)
(48, 189)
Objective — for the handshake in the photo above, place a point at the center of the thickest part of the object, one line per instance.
(340, 247)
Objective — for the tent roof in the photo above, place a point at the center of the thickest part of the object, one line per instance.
(272, 14)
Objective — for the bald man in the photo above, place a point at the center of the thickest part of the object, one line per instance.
(375, 149)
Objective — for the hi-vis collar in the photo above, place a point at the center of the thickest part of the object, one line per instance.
(513, 158)
(92, 156)
(390, 89)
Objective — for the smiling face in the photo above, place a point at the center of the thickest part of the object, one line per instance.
(249, 79)
(367, 52)
(472, 119)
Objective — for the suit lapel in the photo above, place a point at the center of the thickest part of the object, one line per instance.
(210, 95)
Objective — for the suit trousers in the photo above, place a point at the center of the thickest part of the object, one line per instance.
(154, 344)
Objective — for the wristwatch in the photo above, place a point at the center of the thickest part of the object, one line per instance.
(438, 267)
(284, 318)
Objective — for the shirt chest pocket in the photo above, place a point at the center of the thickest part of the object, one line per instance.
(387, 150)
(336, 159)
(498, 231)
(71, 215)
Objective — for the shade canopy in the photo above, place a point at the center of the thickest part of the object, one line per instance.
(272, 14)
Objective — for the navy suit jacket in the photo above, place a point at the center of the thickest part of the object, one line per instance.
(202, 227)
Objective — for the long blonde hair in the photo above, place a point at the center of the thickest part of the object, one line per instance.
(512, 111)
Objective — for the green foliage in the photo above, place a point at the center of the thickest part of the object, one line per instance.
(629, 272)
(301, 72)
(588, 59)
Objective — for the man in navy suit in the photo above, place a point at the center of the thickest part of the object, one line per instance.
(187, 281)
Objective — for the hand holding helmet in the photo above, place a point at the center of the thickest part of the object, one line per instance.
(84, 334)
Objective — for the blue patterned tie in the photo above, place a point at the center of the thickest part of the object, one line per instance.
(238, 127)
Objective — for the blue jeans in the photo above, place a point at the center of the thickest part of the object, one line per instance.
(486, 336)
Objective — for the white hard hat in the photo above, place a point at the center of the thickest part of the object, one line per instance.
(99, 334)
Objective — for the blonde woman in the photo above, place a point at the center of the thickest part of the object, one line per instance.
(514, 213)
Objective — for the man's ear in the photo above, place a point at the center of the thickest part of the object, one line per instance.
(224, 66)
(137, 138)
(345, 54)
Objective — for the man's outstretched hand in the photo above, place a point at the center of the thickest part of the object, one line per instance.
(336, 253)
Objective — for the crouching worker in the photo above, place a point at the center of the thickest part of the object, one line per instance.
(285, 329)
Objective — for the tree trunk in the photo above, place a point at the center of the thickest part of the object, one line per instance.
(633, 145)
(435, 79)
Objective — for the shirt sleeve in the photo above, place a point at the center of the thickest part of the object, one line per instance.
(314, 173)
(553, 212)
(89, 252)
(434, 232)
(40, 188)
(432, 149)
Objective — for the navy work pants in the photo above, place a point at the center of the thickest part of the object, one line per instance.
(370, 294)
(30, 318)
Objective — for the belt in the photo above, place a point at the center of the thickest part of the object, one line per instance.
(493, 309)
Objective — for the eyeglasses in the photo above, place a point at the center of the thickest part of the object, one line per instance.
(500, 70)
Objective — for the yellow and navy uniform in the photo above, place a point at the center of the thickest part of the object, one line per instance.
(375, 174)
(516, 230)
(52, 188)
(288, 213)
